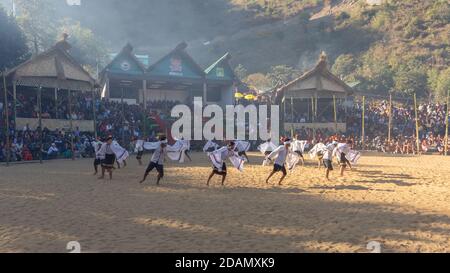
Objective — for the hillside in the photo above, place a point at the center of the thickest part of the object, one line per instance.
(401, 45)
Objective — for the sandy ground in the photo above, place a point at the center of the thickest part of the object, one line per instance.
(401, 202)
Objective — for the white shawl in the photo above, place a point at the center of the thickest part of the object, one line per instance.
(97, 145)
(139, 146)
(174, 152)
(267, 147)
(217, 160)
(210, 144)
(317, 148)
(242, 146)
(299, 145)
(292, 158)
(121, 153)
(352, 156)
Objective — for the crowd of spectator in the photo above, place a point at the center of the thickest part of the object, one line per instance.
(126, 122)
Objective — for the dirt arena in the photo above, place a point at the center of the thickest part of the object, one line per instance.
(401, 202)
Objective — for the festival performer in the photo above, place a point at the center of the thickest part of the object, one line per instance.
(96, 144)
(242, 147)
(210, 146)
(298, 146)
(157, 161)
(174, 152)
(139, 150)
(121, 154)
(328, 157)
(316, 152)
(346, 156)
(218, 159)
(186, 147)
(107, 156)
(284, 157)
(266, 148)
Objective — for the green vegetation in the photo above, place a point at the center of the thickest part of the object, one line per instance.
(276, 8)
(37, 27)
(402, 46)
(13, 47)
(412, 53)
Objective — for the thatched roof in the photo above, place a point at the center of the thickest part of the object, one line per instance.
(318, 80)
(54, 68)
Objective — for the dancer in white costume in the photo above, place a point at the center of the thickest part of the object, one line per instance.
(266, 148)
(328, 154)
(210, 146)
(283, 156)
(174, 152)
(298, 147)
(346, 156)
(242, 147)
(121, 153)
(110, 152)
(157, 161)
(218, 159)
(139, 150)
(186, 148)
(317, 153)
(97, 144)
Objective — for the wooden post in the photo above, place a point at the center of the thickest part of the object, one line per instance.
(5, 107)
(94, 114)
(144, 95)
(313, 119)
(292, 117)
(71, 124)
(123, 117)
(315, 107)
(390, 119)
(446, 124)
(56, 103)
(41, 142)
(417, 124)
(335, 115)
(363, 122)
(15, 103)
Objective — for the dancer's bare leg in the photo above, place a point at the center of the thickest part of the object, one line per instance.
(281, 179)
(187, 155)
(270, 176)
(209, 178)
(103, 173)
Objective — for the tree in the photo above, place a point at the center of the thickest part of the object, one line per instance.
(410, 81)
(281, 75)
(37, 19)
(303, 19)
(240, 71)
(87, 49)
(13, 47)
(259, 81)
(443, 84)
(345, 65)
